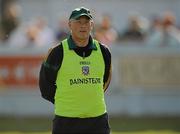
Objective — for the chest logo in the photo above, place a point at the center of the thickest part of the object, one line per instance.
(85, 70)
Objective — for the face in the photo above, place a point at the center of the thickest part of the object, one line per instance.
(81, 27)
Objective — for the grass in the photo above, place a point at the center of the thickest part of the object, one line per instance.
(140, 132)
(145, 124)
(19, 125)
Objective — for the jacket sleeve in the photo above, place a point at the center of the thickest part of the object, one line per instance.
(108, 69)
(47, 82)
(48, 74)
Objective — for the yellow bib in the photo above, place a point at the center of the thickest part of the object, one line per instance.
(79, 83)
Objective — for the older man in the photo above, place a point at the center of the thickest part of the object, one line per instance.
(75, 76)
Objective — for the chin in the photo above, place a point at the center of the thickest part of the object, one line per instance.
(84, 37)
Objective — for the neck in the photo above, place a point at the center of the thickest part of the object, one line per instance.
(80, 42)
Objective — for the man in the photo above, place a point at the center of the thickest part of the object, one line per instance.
(75, 76)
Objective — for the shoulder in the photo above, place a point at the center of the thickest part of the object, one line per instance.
(105, 50)
(54, 52)
(55, 48)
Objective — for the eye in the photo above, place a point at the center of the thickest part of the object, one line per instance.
(78, 21)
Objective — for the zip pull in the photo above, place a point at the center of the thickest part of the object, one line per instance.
(83, 54)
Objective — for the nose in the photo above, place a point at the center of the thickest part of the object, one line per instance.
(83, 24)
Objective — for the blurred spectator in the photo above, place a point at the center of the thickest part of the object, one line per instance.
(37, 34)
(165, 33)
(45, 35)
(104, 32)
(134, 30)
(9, 21)
(62, 30)
(156, 24)
(23, 36)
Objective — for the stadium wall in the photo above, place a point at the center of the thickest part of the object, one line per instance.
(146, 81)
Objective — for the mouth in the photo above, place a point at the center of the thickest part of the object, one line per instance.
(82, 31)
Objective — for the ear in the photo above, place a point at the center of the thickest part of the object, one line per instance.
(92, 25)
(69, 24)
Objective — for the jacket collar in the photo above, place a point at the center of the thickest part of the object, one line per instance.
(72, 44)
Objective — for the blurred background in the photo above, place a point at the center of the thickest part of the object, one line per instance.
(143, 37)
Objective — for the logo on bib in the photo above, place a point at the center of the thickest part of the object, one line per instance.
(85, 70)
